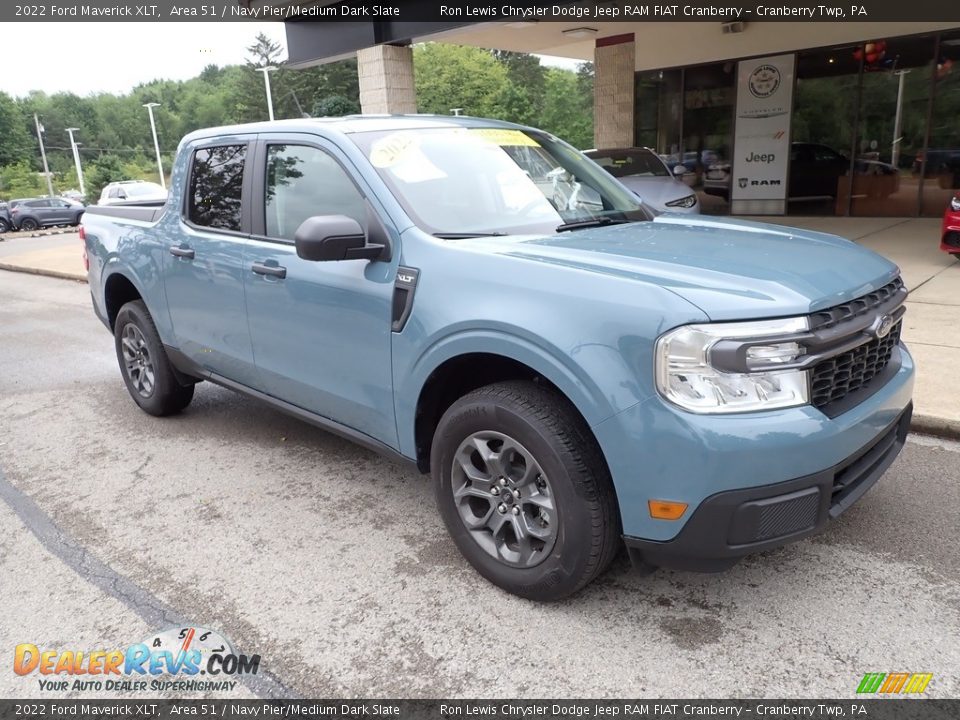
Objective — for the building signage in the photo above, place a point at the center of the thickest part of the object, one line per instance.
(762, 136)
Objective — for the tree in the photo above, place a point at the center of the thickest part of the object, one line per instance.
(450, 76)
(334, 106)
(525, 94)
(107, 169)
(568, 106)
(14, 139)
(20, 180)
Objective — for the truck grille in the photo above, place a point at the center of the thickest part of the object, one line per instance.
(831, 317)
(833, 379)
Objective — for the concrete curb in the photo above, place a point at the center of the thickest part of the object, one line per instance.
(15, 234)
(77, 277)
(937, 426)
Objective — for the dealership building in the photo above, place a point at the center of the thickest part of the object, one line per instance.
(773, 117)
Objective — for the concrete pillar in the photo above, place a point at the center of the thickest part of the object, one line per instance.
(386, 80)
(613, 64)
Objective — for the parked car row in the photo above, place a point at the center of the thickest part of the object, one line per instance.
(34, 213)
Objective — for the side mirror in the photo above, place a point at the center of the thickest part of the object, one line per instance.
(334, 237)
(680, 170)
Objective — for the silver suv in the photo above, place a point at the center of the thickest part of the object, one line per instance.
(132, 192)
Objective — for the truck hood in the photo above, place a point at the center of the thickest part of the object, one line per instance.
(730, 269)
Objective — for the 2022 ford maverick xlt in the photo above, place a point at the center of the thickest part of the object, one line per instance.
(481, 300)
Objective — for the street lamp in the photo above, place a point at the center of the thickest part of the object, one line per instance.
(156, 143)
(266, 84)
(76, 160)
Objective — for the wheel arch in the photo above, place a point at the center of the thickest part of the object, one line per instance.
(118, 290)
(458, 373)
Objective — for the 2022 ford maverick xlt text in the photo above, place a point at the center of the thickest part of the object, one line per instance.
(574, 376)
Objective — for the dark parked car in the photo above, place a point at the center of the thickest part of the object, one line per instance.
(6, 223)
(814, 171)
(35, 213)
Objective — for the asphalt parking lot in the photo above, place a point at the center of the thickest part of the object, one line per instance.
(333, 565)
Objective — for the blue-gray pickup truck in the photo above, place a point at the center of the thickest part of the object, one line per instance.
(478, 299)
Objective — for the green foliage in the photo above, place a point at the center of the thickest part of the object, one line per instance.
(568, 107)
(505, 85)
(20, 180)
(14, 140)
(105, 170)
(335, 106)
(450, 76)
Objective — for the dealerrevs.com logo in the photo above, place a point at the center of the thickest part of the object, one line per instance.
(188, 659)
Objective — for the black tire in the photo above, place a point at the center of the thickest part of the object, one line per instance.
(141, 356)
(584, 519)
(4, 226)
(29, 224)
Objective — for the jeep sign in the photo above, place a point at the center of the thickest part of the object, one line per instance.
(762, 140)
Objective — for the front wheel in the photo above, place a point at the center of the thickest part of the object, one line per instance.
(4, 226)
(144, 365)
(524, 491)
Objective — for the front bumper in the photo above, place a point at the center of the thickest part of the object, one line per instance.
(728, 525)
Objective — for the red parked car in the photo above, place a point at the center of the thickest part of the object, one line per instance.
(950, 231)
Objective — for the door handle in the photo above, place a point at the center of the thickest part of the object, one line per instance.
(183, 252)
(272, 270)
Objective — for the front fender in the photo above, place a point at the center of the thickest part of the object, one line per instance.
(577, 383)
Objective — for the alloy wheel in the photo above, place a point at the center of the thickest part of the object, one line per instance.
(504, 499)
(137, 360)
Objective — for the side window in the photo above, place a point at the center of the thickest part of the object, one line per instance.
(216, 181)
(305, 181)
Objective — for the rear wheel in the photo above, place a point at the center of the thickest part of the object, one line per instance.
(144, 365)
(29, 224)
(524, 491)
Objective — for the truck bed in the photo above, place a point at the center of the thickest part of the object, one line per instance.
(143, 213)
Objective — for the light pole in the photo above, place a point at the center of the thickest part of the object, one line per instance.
(76, 160)
(156, 143)
(266, 85)
(895, 147)
(43, 154)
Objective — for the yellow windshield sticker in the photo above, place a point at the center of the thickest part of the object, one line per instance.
(392, 149)
(505, 137)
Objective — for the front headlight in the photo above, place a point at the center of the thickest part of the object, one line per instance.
(685, 202)
(686, 375)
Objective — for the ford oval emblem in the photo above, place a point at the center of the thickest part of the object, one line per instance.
(883, 326)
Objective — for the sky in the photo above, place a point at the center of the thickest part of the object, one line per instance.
(114, 57)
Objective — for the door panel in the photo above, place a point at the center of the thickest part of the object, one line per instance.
(205, 294)
(205, 265)
(320, 330)
(321, 336)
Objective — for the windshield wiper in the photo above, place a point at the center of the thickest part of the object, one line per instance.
(467, 235)
(589, 223)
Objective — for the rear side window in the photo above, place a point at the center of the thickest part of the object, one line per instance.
(216, 182)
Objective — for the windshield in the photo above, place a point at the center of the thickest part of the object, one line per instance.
(629, 163)
(141, 189)
(488, 181)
